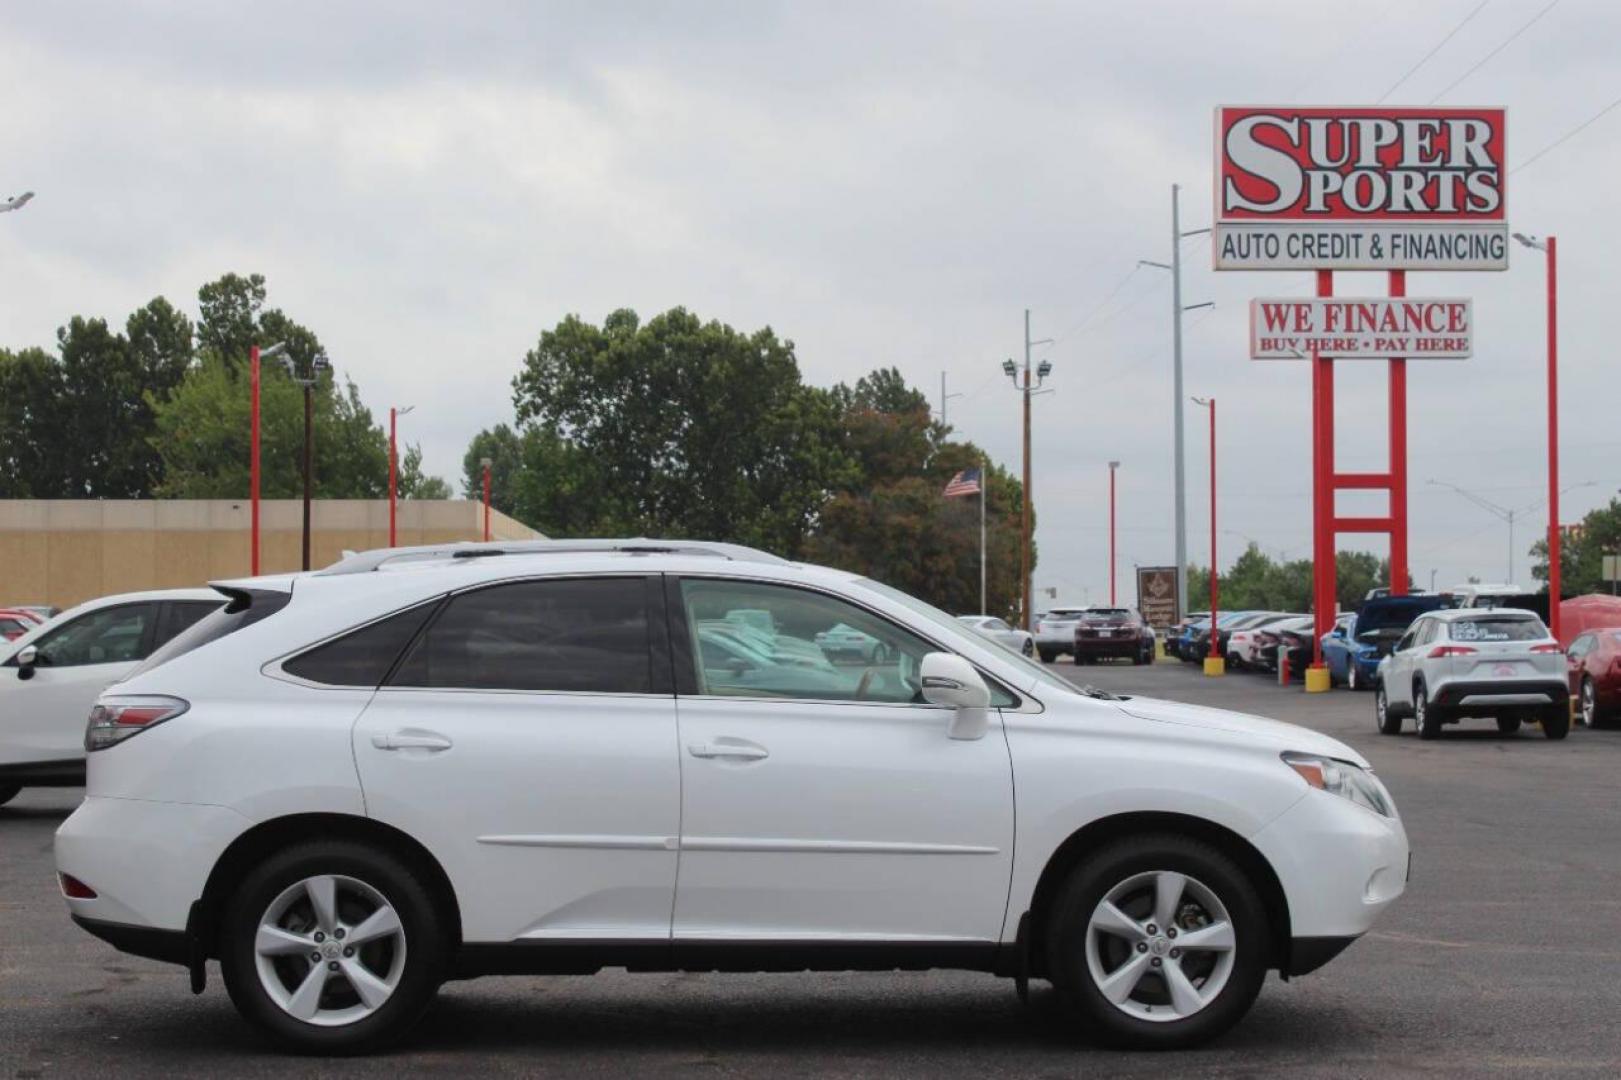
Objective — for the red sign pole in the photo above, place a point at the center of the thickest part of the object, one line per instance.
(393, 458)
(1553, 438)
(1112, 465)
(1398, 459)
(1324, 579)
(253, 460)
(1215, 649)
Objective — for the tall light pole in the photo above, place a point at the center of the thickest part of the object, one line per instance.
(944, 397)
(255, 355)
(308, 380)
(1550, 248)
(1215, 663)
(1113, 465)
(484, 463)
(16, 202)
(1011, 369)
(394, 414)
(1175, 268)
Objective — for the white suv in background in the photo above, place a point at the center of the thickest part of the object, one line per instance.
(1497, 663)
(426, 764)
(50, 676)
(1055, 632)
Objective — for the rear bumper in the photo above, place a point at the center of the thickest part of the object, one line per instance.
(169, 946)
(1307, 954)
(1501, 693)
(69, 773)
(1108, 646)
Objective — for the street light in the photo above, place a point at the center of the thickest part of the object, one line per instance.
(394, 414)
(1011, 370)
(485, 463)
(1215, 663)
(317, 367)
(1550, 248)
(1113, 465)
(1505, 513)
(255, 354)
(16, 202)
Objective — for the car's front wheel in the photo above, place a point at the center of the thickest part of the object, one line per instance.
(1389, 719)
(1028, 648)
(8, 792)
(1158, 942)
(1353, 681)
(1589, 705)
(333, 947)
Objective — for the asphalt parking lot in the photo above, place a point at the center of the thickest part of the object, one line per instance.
(1502, 959)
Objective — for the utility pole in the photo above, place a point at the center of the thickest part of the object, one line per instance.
(255, 355)
(1113, 465)
(394, 414)
(944, 397)
(1026, 596)
(484, 463)
(317, 368)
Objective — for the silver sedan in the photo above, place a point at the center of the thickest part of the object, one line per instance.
(1020, 641)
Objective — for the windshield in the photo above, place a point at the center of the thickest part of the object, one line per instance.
(953, 630)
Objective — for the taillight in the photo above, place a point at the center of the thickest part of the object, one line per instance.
(114, 719)
(74, 889)
(1450, 650)
(1546, 647)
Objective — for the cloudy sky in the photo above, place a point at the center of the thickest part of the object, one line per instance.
(429, 185)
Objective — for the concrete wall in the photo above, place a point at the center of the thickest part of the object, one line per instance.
(66, 551)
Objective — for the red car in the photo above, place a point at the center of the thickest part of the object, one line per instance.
(15, 622)
(1594, 663)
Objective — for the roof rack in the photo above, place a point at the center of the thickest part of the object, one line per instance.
(367, 561)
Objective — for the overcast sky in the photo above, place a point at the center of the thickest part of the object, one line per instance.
(428, 186)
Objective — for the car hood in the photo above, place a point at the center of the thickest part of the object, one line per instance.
(1254, 728)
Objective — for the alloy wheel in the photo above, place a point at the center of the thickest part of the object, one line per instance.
(1589, 704)
(1160, 946)
(1352, 680)
(330, 950)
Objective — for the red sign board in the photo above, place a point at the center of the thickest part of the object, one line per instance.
(1330, 165)
(1367, 328)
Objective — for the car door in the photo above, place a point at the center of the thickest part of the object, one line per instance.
(830, 805)
(44, 708)
(528, 740)
(1576, 660)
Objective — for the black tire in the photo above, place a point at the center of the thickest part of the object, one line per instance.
(1080, 661)
(1592, 715)
(9, 792)
(1385, 715)
(1028, 648)
(1426, 717)
(1556, 721)
(427, 945)
(1047, 656)
(1116, 863)
(1353, 681)
(1508, 725)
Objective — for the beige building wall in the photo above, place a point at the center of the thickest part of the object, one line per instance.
(66, 551)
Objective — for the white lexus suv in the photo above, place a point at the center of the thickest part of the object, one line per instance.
(431, 764)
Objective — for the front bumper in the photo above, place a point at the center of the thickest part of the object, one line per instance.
(1340, 865)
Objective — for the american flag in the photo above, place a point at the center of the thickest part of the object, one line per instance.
(964, 483)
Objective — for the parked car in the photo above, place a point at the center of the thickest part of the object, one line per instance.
(1500, 664)
(51, 675)
(1055, 632)
(1594, 667)
(1198, 642)
(1282, 636)
(350, 790)
(844, 643)
(1353, 649)
(1176, 638)
(1020, 641)
(1243, 644)
(15, 622)
(1105, 633)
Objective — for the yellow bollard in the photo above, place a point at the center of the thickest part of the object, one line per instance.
(1215, 666)
(1317, 680)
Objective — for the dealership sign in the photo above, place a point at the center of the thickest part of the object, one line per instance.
(1360, 189)
(1369, 328)
(1156, 596)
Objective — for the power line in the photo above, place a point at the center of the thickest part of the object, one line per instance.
(1567, 136)
(1114, 292)
(1439, 45)
(1483, 60)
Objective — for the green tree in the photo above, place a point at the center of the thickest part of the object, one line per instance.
(1256, 582)
(1581, 552)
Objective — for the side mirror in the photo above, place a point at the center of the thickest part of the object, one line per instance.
(952, 681)
(27, 657)
(1339, 632)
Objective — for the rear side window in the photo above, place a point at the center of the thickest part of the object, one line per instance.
(1498, 628)
(243, 610)
(361, 657)
(579, 635)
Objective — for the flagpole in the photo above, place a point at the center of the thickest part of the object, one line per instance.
(984, 483)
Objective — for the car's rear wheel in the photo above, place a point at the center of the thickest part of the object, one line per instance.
(1388, 719)
(1028, 648)
(1508, 725)
(1589, 705)
(1048, 656)
(8, 792)
(1556, 721)
(1158, 942)
(333, 947)
(1426, 717)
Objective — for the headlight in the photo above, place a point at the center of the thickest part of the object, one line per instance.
(1343, 779)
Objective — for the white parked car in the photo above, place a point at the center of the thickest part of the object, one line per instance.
(1020, 641)
(1055, 632)
(1244, 645)
(1500, 664)
(51, 675)
(418, 765)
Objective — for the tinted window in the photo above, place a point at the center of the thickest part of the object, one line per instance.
(111, 635)
(243, 609)
(564, 635)
(8, 625)
(181, 615)
(361, 657)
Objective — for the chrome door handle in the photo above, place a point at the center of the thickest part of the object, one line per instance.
(400, 740)
(748, 751)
